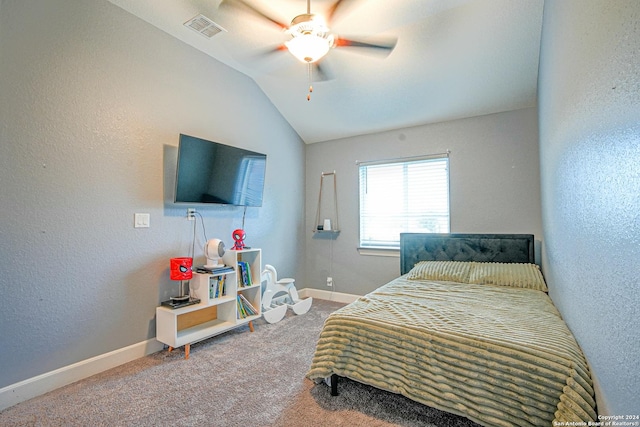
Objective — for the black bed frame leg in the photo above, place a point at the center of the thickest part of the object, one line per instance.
(334, 384)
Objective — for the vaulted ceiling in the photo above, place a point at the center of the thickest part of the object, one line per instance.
(453, 58)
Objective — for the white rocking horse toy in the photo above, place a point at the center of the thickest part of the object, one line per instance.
(273, 311)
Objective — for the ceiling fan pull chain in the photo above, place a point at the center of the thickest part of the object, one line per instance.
(309, 64)
(310, 87)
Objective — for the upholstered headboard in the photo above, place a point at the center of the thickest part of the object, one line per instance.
(416, 247)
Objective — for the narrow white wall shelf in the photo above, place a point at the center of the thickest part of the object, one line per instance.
(320, 225)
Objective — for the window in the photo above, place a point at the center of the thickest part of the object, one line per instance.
(403, 195)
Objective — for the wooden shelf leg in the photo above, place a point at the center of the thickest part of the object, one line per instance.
(251, 326)
(187, 348)
(170, 349)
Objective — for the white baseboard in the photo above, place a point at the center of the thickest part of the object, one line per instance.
(328, 295)
(32, 387)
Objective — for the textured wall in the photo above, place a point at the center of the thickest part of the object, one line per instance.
(494, 186)
(589, 98)
(92, 101)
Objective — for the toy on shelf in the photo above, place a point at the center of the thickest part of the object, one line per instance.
(273, 308)
(238, 237)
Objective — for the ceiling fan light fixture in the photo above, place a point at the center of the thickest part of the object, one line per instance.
(308, 48)
(310, 38)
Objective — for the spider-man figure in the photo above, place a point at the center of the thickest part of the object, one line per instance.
(238, 236)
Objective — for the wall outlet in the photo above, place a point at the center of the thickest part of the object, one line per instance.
(191, 214)
(329, 281)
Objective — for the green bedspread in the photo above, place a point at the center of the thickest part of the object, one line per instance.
(496, 355)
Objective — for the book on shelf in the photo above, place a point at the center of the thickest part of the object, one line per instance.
(245, 308)
(217, 286)
(244, 274)
(214, 270)
(241, 313)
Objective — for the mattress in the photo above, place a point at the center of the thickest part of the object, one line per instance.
(499, 356)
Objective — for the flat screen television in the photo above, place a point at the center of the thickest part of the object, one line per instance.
(211, 172)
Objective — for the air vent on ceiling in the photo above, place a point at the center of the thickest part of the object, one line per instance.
(204, 26)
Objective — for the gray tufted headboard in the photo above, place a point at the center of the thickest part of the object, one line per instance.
(416, 247)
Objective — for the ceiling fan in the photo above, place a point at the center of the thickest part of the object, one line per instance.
(310, 37)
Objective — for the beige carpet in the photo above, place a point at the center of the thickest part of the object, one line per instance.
(235, 379)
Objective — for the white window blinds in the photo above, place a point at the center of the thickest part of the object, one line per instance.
(403, 195)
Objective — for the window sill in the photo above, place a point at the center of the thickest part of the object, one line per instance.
(387, 252)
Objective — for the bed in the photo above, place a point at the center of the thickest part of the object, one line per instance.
(466, 328)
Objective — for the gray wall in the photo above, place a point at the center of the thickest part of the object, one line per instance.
(92, 101)
(494, 186)
(589, 97)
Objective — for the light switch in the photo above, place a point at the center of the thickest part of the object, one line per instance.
(141, 220)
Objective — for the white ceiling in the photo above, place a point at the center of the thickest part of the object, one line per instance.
(453, 59)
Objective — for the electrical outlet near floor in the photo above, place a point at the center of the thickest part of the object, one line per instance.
(329, 281)
(191, 214)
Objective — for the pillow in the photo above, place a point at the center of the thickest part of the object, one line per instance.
(450, 271)
(526, 276)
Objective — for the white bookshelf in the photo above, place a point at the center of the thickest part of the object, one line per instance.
(214, 314)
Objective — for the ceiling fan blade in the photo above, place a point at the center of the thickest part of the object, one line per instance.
(338, 6)
(382, 46)
(266, 52)
(321, 72)
(254, 10)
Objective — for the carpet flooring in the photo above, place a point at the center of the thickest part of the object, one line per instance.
(238, 378)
